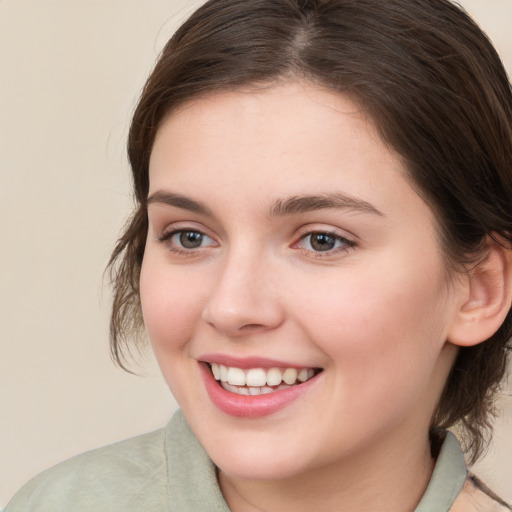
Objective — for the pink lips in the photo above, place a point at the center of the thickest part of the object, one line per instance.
(255, 406)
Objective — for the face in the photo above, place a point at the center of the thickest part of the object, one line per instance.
(292, 287)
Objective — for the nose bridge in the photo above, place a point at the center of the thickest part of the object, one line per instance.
(244, 297)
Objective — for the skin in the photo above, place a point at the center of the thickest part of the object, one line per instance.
(374, 313)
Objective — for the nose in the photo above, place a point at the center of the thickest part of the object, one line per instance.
(244, 298)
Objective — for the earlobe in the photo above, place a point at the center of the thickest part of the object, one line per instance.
(488, 297)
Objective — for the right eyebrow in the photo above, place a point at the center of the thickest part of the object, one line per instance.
(178, 201)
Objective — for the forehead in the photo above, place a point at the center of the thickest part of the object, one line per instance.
(295, 124)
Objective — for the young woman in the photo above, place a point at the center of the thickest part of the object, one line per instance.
(320, 257)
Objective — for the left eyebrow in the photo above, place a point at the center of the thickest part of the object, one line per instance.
(308, 203)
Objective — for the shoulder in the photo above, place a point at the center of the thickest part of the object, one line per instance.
(119, 477)
(477, 497)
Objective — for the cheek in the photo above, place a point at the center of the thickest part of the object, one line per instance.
(171, 305)
(372, 311)
(379, 329)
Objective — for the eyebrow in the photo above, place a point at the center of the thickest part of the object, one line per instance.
(179, 201)
(307, 203)
(281, 207)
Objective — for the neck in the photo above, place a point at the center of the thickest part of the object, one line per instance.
(382, 478)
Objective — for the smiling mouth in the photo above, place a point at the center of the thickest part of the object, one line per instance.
(260, 381)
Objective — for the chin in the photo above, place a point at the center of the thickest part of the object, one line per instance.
(245, 467)
(257, 455)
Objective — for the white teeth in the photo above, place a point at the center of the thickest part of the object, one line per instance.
(256, 377)
(302, 375)
(223, 373)
(258, 381)
(290, 376)
(236, 376)
(250, 391)
(274, 377)
(305, 374)
(229, 387)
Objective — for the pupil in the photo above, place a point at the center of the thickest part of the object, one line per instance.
(191, 239)
(322, 242)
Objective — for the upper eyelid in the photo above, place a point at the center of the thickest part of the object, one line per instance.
(185, 225)
(173, 230)
(337, 236)
(169, 233)
(327, 229)
(330, 232)
(160, 220)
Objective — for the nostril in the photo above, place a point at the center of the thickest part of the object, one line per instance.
(251, 327)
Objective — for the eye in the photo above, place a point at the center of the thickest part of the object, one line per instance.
(189, 239)
(186, 240)
(324, 242)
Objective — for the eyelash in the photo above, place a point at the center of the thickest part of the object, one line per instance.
(345, 244)
(167, 237)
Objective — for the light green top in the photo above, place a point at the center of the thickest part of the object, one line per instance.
(168, 470)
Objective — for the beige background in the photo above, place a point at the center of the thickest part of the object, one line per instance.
(70, 73)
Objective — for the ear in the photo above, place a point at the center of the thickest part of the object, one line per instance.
(487, 298)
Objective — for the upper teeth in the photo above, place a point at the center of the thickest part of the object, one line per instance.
(258, 377)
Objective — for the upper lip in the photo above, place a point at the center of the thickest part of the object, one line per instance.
(246, 363)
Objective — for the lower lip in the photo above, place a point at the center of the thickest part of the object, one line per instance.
(253, 406)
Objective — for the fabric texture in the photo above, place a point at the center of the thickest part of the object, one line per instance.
(168, 471)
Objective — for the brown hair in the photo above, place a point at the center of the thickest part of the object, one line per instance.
(434, 87)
